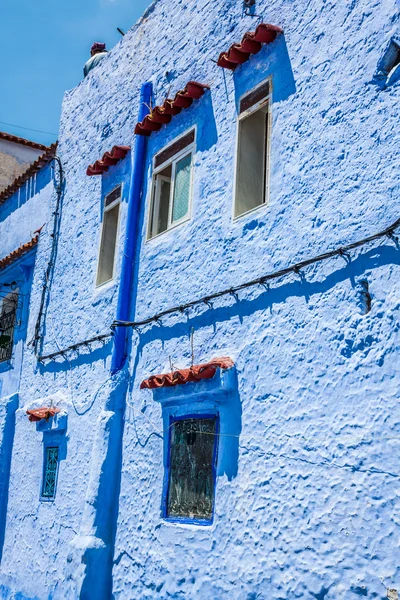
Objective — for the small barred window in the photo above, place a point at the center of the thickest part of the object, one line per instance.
(50, 472)
(192, 469)
(8, 314)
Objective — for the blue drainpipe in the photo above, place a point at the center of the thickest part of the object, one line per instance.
(135, 187)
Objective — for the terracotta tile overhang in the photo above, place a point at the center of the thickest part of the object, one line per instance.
(251, 44)
(161, 115)
(109, 159)
(15, 139)
(34, 168)
(15, 254)
(182, 376)
(38, 414)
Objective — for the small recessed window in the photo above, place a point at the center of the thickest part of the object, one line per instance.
(8, 315)
(50, 471)
(192, 467)
(172, 183)
(105, 269)
(388, 67)
(253, 150)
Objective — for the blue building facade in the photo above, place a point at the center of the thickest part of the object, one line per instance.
(209, 317)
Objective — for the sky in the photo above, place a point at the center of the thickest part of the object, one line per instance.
(44, 46)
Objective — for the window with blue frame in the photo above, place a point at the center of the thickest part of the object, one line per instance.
(192, 458)
(50, 471)
(8, 315)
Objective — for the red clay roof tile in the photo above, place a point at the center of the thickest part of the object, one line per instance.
(9, 137)
(161, 115)
(182, 376)
(4, 262)
(38, 414)
(109, 159)
(251, 44)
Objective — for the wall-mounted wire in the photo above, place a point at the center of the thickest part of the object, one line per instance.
(343, 251)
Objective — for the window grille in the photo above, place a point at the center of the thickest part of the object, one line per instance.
(171, 193)
(50, 472)
(192, 468)
(253, 149)
(8, 314)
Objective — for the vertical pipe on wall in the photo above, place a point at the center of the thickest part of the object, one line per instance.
(137, 169)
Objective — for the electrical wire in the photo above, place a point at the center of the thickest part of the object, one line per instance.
(264, 279)
(296, 268)
(28, 128)
(269, 454)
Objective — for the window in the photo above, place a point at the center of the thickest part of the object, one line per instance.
(253, 150)
(8, 313)
(50, 471)
(172, 182)
(192, 468)
(105, 269)
(387, 68)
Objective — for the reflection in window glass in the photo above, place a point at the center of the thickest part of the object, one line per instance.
(192, 458)
(182, 188)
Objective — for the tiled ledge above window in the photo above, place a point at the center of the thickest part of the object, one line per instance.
(200, 383)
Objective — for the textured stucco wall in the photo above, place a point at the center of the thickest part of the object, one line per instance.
(307, 495)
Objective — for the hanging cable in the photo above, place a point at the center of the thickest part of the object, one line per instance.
(342, 251)
(264, 279)
(49, 271)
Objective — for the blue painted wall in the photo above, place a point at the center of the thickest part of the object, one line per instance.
(308, 471)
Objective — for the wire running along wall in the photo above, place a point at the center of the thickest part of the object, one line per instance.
(342, 251)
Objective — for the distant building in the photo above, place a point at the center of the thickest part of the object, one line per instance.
(200, 315)
(16, 154)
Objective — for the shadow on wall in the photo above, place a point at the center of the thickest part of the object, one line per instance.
(277, 294)
(272, 60)
(7, 430)
(230, 429)
(207, 135)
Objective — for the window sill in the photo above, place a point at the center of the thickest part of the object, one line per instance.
(264, 206)
(105, 286)
(191, 524)
(174, 226)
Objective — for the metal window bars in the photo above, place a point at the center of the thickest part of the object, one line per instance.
(7, 323)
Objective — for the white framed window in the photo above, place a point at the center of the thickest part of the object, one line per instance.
(252, 154)
(171, 193)
(108, 241)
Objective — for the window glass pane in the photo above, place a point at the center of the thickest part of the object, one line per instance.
(182, 188)
(160, 202)
(114, 195)
(8, 313)
(191, 476)
(108, 243)
(50, 472)
(251, 161)
(165, 190)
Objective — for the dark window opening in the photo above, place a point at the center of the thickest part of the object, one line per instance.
(387, 68)
(8, 314)
(50, 470)
(192, 468)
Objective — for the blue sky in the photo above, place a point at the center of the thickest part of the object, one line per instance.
(44, 46)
